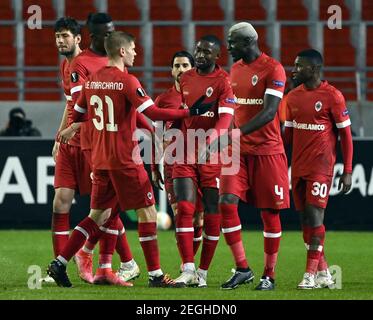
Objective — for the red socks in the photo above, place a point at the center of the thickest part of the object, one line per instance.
(231, 228)
(185, 230)
(314, 240)
(197, 238)
(81, 232)
(272, 237)
(60, 231)
(148, 240)
(122, 246)
(210, 240)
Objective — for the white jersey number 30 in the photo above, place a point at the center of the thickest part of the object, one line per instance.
(99, 123)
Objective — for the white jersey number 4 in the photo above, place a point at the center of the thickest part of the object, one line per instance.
(99, 123)
(279, 191)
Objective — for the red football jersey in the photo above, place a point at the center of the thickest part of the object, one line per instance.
(216, 86)
(85, 64)
(250, 82)
(170, 99)
(315, 115)
(113, 97)
(65, 75)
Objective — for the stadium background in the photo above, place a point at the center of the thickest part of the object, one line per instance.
(29, 78)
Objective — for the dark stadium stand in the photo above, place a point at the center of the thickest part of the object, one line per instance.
(79, 9)
(207, 10)
(164, 10)
(124, 10)
(40, 51)
(293, 40)
(6, 11)
(291, 10)
(249, 10)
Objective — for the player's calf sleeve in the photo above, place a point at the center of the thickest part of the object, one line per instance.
(231, 228)
(122, 247)
(148, 240)
(80, 233)
(197, 238)
(210, 239)
(323, 264)
(108, 242)
(60, 231)
(315, 247)
(272, 237)
(185, 230)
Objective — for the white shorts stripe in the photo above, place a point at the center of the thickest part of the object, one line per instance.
(274, 92)
(197, 239)
(289, 124)
(79, 109)
(233, 229)
(272, 235)
(109, 231)
(343, 124)
(226, 110)
(212, 238)
(142, 239)
(61, 233)
(75, 89)
(82, 231)
(185, 229)
(145, 105)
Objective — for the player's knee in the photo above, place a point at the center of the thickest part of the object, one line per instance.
(313, 216)
(100, 216)
(63, 199)
(148, 214)
(228, 199)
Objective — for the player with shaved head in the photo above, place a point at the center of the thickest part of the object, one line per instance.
(258, 83)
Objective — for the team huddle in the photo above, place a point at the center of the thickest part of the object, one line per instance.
(236, 115)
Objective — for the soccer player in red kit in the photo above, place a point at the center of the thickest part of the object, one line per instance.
(112, 236)
(209, 79)
(71, 170)
(316, 115)
(181, 62)
(258, 84)
(114, 97)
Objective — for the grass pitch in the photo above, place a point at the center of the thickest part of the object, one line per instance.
(351, 251)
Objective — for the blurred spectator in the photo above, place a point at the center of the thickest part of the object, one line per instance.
(19, 126)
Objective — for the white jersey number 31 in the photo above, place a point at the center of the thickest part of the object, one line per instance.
(99, 123)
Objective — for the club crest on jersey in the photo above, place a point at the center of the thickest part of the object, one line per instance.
(149, 195)
(209, 91)
(318, 106)
(74, 77)
(140, 92)
(254, 80)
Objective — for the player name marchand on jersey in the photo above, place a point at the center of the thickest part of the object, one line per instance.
(104, 85)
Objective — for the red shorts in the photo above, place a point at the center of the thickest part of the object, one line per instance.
(130, 186)
(72, 170)
(204, 175)
(312, 190)
(261, 181)
(169, 187)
